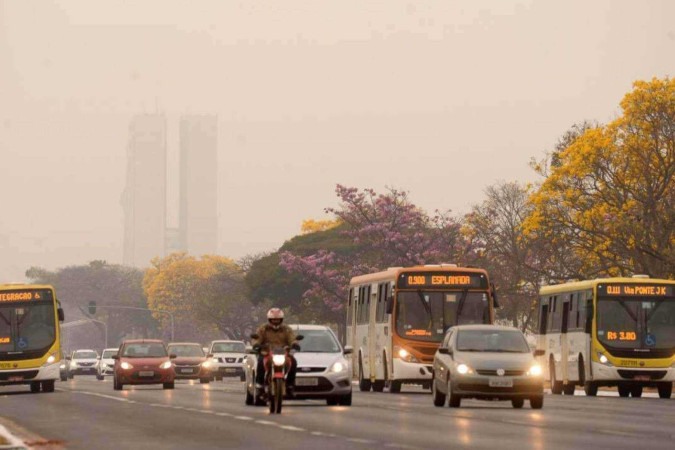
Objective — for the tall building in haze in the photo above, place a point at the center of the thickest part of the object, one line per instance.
(144, 197)
(198, 208)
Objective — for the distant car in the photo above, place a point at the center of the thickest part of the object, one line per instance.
(143, 362)
(82, 362)
(106, 363)
(323, 371)
(486, 362)
(228, 359)
(191, 362)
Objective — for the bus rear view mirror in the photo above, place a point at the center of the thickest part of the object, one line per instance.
(61, 315)
(390, 304)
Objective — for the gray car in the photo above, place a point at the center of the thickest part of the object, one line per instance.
(486, 362)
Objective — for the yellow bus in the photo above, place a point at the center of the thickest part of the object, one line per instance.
(397, 318)
(30, 341)
(609, 332)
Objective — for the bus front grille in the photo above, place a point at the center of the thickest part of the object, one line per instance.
(24, 375)
(652, 374)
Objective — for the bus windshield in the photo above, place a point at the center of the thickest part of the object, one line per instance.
(425, 316)
(27, 327)
(636, 323)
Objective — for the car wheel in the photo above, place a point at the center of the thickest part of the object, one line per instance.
(568, 389)
(591, 388)
(99, 377)
(345, 400)
(665, 390)
(64, 378)
(257, 395)
(249, 397)
(117, 385)
(454, 400)
(71, 376)
(35, 386)
(517, 403)
(48, 386)
(204, 380)
(439, 397)
(332, 401)
(537, 402)
(170, 385)
(636, 391)
(624, 391)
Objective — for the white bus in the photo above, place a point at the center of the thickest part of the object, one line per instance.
(396, 320)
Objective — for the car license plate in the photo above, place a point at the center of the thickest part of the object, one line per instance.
(642, 378)
(230, 370)
(15, 378)
(185, 370)
(306, 381)
(148, 373)
(501, 382)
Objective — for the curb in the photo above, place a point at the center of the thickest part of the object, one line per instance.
(14, 442)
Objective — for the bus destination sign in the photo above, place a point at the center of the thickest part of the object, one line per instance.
(440, 280)
(25, 295)
(635, 290)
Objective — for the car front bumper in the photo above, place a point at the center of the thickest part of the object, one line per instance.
(322, 385)
(134, 376)
(478, 386)
(191, 372)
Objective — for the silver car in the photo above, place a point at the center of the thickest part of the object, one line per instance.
(486, 362)
(323, 371)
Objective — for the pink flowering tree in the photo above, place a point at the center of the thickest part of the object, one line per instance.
(387, 230)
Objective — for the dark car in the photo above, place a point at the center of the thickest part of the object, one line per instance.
(143, 362)
(486, 362)
(191, 363)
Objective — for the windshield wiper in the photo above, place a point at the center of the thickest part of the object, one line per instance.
(630, 313)
(427, 308)
(470, 349)
(460, 305)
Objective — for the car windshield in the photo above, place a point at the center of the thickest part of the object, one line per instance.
(26, 327)
(318, 341)
(426, 316)
(186, 350)
(636, 323)
(499, 341)
(228, 347)
(108, 354)
(85, 355)
(145, 350)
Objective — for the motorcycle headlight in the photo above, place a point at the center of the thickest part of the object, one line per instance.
(338, 367)
(279, 360)
(126, 366)
(405, 355)
(463, 369)
(165, 365)
(535, 371)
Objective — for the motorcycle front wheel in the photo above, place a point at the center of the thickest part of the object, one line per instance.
(276, 395)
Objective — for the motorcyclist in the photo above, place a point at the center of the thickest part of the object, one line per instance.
(275, 334)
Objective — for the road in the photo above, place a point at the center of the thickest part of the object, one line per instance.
(85, 413)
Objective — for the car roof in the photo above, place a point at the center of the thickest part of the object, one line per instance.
(84, 350)
(227, 341)
(484, 327)
(296, 327)
(185, 343)
(143, 341)
(110, 349)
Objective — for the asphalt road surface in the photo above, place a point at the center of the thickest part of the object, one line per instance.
(85, 414)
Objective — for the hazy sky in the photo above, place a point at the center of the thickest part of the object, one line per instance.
(439, 98)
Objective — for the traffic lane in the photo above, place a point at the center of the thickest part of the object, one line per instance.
(83, 419)
(410, 419)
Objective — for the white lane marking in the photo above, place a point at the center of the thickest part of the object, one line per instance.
(395, 445)
(266, 422)
(223, 414)
(205, 411)
(291, 428)
(361, 441)
(160, 405)
(243, 418)
(96, 394)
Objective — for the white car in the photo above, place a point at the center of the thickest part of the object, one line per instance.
(82, 362)
(323, 371)
(228, 359)
(106, 363)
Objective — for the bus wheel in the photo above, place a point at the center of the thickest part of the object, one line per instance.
(394, 387)
(636, 391)
(556, 386)
(364, 385)
(48, 386)
(378, 386)
(665, 390)
(590, 388)
(624, 390)
(568, 389)
(35, 386)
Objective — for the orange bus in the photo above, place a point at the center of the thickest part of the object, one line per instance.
(397, 318)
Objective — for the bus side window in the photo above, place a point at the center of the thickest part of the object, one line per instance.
(359, 309)
(350, 309)
(556, 316)
(543, 316)
(367, 305)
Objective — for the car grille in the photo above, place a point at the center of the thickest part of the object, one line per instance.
(156, 377)
(85, 364)
(230, 360)
(652, 374)
(26, 375)
(311, 369)
(476, 387)
(323, 386)
(507, 373)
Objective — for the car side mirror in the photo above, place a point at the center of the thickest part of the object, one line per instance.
(210, 355)
(348, 350)
(61, 314)
(172, 356)
(299, 337)
(445, 351)
(98, 357)
(539, 352)
(115, 357)
(390, 305)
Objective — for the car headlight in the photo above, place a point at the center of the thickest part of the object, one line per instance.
(73, 365)
(165, 365)
(126, 366)
(535, 371)
(405, 355)
(206, 364)
(62, 366)
(463, 369)
(338, 367)
(279, 360)
(603, 359)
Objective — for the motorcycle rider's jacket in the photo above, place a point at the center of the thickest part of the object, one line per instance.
(271, 338)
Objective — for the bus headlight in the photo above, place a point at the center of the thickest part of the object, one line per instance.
(279, 360)
(535, 371)
(50, 360)
(603, 359)
(405, 355)
(463, 369)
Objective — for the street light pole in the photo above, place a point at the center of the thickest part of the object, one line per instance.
(162, 311)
